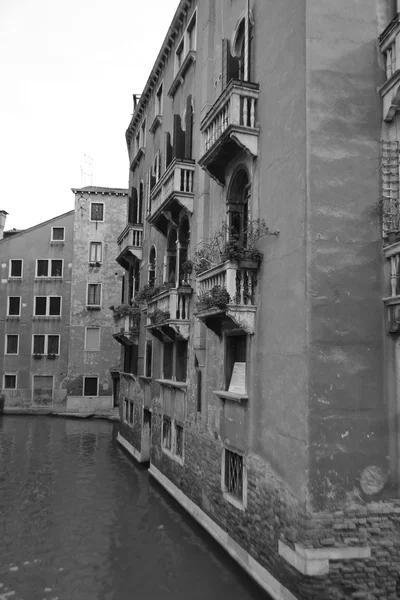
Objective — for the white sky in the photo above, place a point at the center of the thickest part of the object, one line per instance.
(68, 71)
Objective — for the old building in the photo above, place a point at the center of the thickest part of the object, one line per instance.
(35, 296)
(260, 376)
(100, 214)
(59, 280)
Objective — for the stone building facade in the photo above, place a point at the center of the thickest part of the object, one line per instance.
(260, 373)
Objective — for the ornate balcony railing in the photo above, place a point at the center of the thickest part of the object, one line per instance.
(240, 283)
(174, 190)
(229, 127)
(130, 245)
(170, 308)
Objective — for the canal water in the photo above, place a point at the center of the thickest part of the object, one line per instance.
(79, 520)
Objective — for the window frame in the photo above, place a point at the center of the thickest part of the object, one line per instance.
(148, 343)
(6, 353)
(83, 389)
(89, 252)
(52, 234)
(240, 503)
(10, 375)
(87, 294)
(49, 268)
(86, 349)
(90, 214)
(159, 100)
(47, 307)
(15, 316)
(46, 344)
(21, 260)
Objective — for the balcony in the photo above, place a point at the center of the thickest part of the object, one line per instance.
(172, 192)
(239, 281)
(126, 331)
(389, 43)
(130, 245)
(168, 313)
(229, 128)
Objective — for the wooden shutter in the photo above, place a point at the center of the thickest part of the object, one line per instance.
(178, 146)
(167, 149)
(133, 202)
(230, 64)
(189, 128)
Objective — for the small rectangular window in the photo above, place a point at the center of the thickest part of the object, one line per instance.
(40, 305)
(12, 343)
(179, 440)
(95, 252)
(92, 339)
(181, 360)
(167, 433)
(10, 382)
(149, 358)
(90, 387)
(55, 305)
(56, 268)
(14, 306)
(42, 268)
(53, 344)
(16, 268)
(94, 294)
(38, 344)
(97, 211)
(57, 234)
(168, 356)
(131, 412)
(234, 474)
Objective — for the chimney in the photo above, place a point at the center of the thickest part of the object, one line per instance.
(3, 216)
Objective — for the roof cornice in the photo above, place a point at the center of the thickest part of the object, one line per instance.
(169, 40)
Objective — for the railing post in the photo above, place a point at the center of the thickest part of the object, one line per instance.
(234, 109)
(230, 281)
(173, 304)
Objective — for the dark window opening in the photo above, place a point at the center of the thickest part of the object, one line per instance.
(55, 306)
(235, 352)
(42, 268)
(56, 268)
(38, 344)
(179, 440)
(12, 344)
(198, 384)
(131, 412)
(10, 382)
(149, 359)
(58, 234)
(133, 207)
(40, 305)
(131, 359)
(53, 342)
(152, 266)
(16, 268)
(90, 386)
(181, 360)
(167, 433)
(14, 305)
(97, 211)
(168, 358)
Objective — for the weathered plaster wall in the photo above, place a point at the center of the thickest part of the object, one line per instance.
(95, 363)
(29, 246)
(347, 413)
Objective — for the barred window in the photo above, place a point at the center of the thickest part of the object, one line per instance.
(234, 474)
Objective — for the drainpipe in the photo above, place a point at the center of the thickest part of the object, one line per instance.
(3, 216)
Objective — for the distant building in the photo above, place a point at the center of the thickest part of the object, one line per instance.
(35, 292)
(265, 392)
(58, 280)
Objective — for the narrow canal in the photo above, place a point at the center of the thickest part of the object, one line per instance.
(80, 521)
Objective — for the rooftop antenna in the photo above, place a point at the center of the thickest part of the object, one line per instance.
(87, 171)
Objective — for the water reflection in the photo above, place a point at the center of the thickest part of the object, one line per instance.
(80, 521)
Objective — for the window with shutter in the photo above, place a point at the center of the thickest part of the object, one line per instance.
(178, 143)
(189, 128)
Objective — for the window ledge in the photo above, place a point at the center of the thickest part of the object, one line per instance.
(155, 124)
(234, 501)
(13, 317)
(130, 375)
(181, 385)
(45, 317)
(10, 278)
(233, 396)
(179, 78)
(145, 378)
(55, 278)
(57, 242)
(173, 456)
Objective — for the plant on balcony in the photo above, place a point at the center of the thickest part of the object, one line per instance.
(186, 269)
(147, 292)
(126, 310)
(228, 244)
(217, 297)
(159, 316)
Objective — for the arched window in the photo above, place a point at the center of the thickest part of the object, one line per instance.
(171, 256)
(239, 50)
(238, 205)
(152, 266)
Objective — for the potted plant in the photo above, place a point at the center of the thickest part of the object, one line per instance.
(217, 297)
(159, 316)
(187, 268)
(52, 356)
(37, 356)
